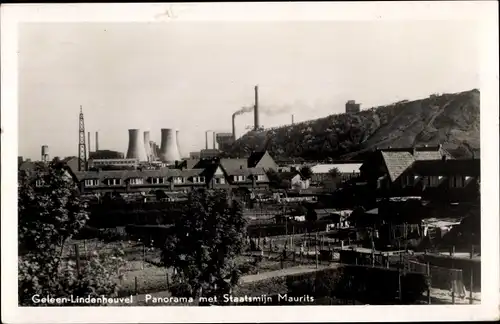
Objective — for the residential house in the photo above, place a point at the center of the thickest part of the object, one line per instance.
(384, 167)
(294, 179)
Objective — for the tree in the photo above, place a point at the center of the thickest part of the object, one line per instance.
(51, 212)
(334, 173)
(306, 172)
(208, 235)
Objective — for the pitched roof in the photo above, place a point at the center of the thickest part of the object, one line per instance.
(231, 164)
(397, 163)
(468, 167)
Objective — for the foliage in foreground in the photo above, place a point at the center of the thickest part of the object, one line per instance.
(208, 236)
(50, 213)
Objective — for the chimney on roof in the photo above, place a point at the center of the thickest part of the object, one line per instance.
(414, 150)
(440, 146)
(443, 158)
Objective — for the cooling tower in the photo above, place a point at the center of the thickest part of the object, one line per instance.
(136, 148)
(169, 151)
(147, 145)
(178, 145)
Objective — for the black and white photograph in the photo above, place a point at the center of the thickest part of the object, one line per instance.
(194, 162)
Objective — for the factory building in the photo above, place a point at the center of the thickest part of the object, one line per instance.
(351, 107)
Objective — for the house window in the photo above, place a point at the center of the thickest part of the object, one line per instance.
(198, 179)
(136, 181)
(220, 180)
(457, 182)
(156, 180)
(38, 183)
(91, 182)
(406, 181)
(260, 177)
(433, 181)
(114, 182)
(239, 178)
(178, 180)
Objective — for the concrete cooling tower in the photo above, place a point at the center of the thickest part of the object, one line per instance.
(178, 145)
(136, 148)
(147, 146)
(169, 151)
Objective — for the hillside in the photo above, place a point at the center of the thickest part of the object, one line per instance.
(449, 119)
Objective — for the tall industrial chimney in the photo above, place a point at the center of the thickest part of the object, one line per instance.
(168, 150)
(206, 140)
(234, 127)
(96, 141)
(136, 148)
(90, 149)
(147, 145)
(256, 108)
(178, 143)
(214, 139)
(292, 119)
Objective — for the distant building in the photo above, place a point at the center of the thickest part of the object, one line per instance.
(351, 107)
(347, 171)
(19, 160)
(194, 155)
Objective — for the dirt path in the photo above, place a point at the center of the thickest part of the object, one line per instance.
(140, 299)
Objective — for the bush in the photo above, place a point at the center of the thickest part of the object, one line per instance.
(43, 275)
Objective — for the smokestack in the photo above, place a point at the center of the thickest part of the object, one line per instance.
(90, 149)
(178, 145)
(206, 140)
(96, 141)
(214, 140)
(256, 108)
(147, 145)
(292, 119)
(168, 150)
(234, 127)
(136, 148)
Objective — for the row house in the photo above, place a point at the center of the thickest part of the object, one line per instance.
(127, 181)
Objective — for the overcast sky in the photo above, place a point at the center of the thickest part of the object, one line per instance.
(192, 75)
